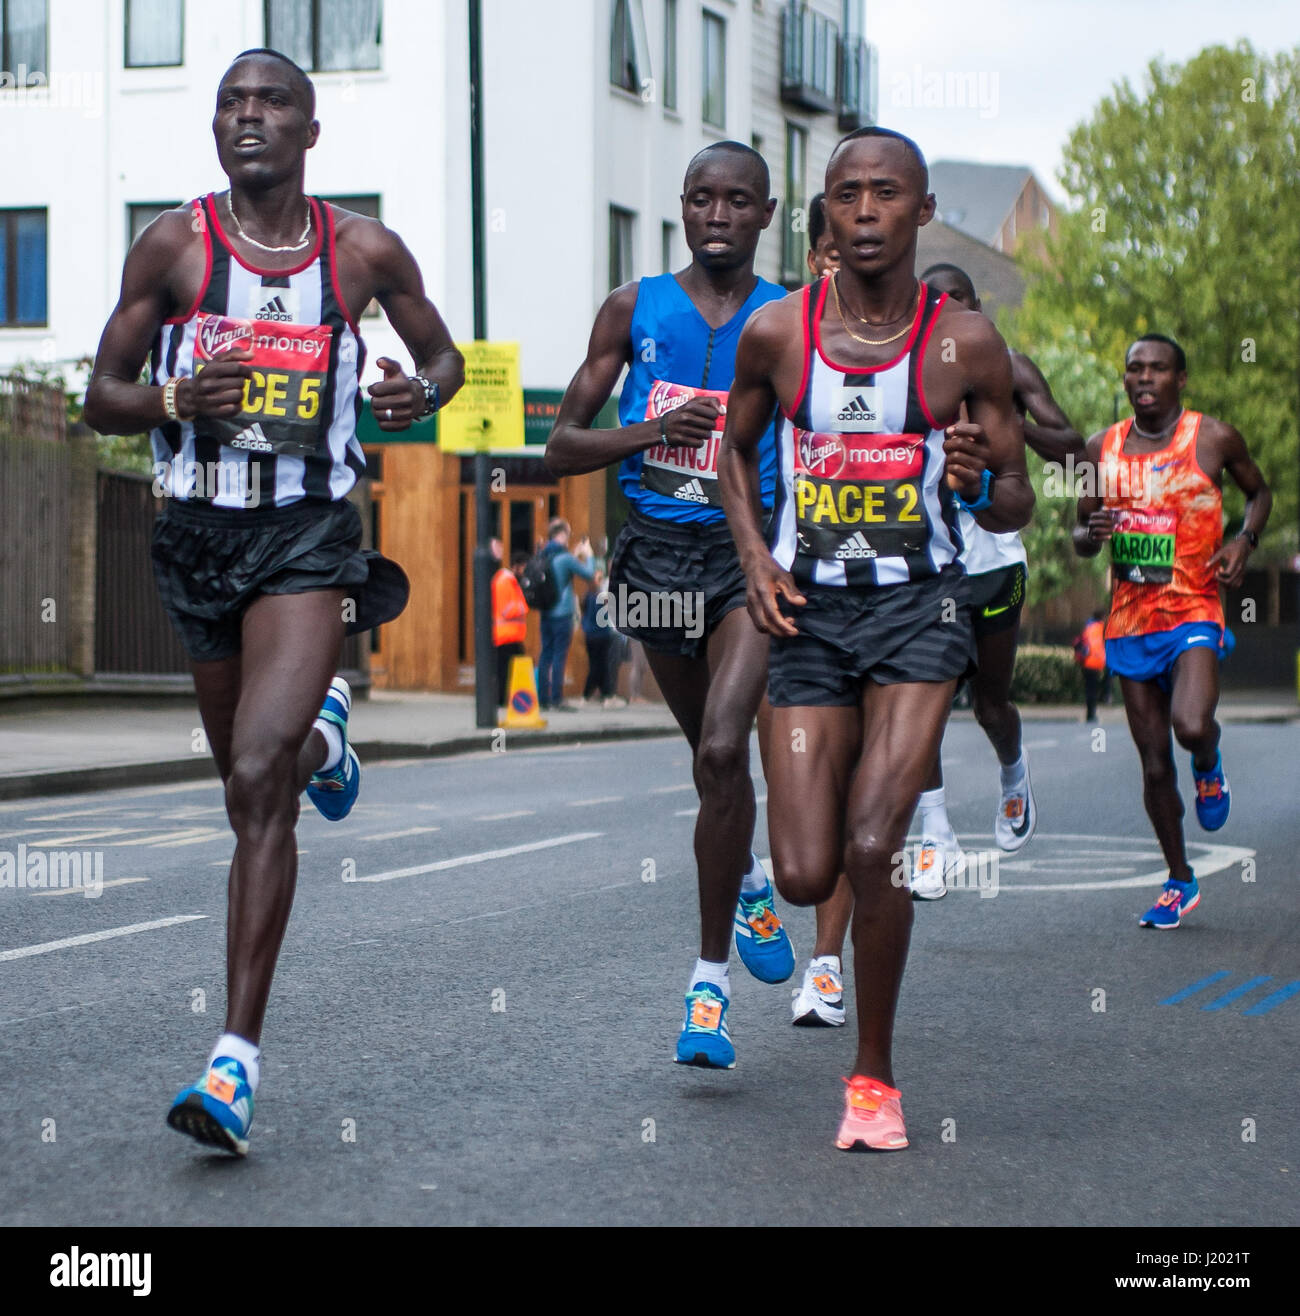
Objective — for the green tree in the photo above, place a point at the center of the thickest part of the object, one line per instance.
(1185, 220)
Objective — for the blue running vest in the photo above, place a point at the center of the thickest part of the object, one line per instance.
(676, 357)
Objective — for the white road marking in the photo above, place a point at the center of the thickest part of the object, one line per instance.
(669, 790)
(515, 909)
(482, 857)
(44, 947)
(392, 836)
(1040, 744)
(501, 817)
(209, 834)
(687, 813)
(78, 890)
(176, 834)
(72, 813)
(600, 799)
(77, 837)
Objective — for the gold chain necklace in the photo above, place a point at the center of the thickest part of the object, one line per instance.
(870, 342)
(261, 246)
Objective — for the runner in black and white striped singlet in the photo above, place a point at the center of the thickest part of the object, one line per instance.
(295, 436)
(242, 301)
(861, 589)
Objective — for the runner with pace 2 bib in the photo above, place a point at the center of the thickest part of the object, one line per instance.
(246, 305)
(1159, 503)
(861, 589)
(674, 579)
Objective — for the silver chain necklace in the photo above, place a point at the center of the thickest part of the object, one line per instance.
(261, 246)
(1161, 434)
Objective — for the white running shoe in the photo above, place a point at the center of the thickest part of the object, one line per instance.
(1017, 816)
(935, 861)
(819, 1003)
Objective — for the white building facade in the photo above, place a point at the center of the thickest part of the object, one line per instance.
(591, 110)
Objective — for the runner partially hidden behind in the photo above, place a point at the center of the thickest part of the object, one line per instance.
(1159, 504)
(674, 578)
(246, 304)
(861, 589)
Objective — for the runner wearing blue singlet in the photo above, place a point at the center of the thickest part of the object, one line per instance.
(674, 578)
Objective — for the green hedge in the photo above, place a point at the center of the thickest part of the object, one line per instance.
(1046, 674)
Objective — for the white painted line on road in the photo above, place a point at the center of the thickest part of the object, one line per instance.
(600, 799)
(1040, 744)
(70, 890)
(208, 834)
(669, 790)
(45, 1014)
(406, 831)
(501, 817)
(481, 858)
(686, 813)
(175, 834)
(22, 952)
(78, 837)
(72, 813)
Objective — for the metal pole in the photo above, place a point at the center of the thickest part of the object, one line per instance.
(485, 699)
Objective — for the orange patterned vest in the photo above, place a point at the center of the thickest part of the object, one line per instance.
(1168, 524)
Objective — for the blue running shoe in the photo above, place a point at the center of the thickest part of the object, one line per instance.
(335, 792)
(704, 1039)
(218, 1109)
(1176, 899)
(1212, 798)
(761, 939)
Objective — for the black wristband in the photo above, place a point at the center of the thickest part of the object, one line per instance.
(1249, 536)
(663, 428)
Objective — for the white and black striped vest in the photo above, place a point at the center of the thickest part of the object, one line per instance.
(861, 498)
(296, 435)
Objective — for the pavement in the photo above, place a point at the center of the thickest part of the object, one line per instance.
(474, 1013)
(74, 743)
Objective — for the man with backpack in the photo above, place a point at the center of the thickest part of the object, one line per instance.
(557, 567)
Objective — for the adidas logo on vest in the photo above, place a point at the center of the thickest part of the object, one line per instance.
(856, 409)
(855, 547)
(692, 491)
(252, 439)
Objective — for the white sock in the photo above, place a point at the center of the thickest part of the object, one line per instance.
(754, 880)
(333, 744)
(1013, 775)
(934, 816)
(239, 1048)
(708, 971)
(826, 962)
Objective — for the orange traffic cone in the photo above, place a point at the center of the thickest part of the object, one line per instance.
(521, 699)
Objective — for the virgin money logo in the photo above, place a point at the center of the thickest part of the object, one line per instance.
(821, 454)
(217, 335)
(667, 397)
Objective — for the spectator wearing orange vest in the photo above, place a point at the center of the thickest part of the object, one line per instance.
(509, 615)
(1090, 654)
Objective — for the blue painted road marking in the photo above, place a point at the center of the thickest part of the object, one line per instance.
(1274, 998)
(1195, 987)
(1228, 997)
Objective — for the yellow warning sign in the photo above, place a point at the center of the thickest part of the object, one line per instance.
(488, 412)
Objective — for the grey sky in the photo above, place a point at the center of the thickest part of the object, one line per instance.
(1040, 66)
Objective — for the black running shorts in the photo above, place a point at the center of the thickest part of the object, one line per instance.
(212, 562)
(916, 631)
(671, 584)
(997, 597)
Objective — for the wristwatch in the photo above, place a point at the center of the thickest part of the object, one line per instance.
(985, 498)
(431, 398)
(1249, 536)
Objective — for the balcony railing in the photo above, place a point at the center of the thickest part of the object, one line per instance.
(810, 45)
(859, 84)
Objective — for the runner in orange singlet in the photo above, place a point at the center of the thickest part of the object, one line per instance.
(1160, 505)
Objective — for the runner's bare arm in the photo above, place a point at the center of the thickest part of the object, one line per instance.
(399, 287)
(1047, 428)
(116, 401)
(1093, 523)
(1232, 556)
(574, 448)
(751, 402)
(992, 437)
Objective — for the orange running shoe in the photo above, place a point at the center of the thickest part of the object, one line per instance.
(873, 1117)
